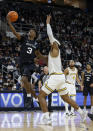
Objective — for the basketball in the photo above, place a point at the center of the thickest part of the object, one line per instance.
(13, 16)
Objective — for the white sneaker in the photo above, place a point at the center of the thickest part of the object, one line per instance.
(46, 120)
(84, 116)
(85, 110)
(72, 114)
(91, 111)
(67, 114)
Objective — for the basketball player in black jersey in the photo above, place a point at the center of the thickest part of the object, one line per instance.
(27, 55)
(87, 77)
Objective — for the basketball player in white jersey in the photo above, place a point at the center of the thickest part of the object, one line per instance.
(57, 78)
(71, 74)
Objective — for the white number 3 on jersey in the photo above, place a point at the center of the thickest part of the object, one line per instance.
(29, 50)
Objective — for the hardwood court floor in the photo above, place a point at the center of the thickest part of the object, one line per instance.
(30, 121)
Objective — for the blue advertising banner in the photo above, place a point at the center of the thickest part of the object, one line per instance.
(11, 100)
(57, 101)
(16, 100)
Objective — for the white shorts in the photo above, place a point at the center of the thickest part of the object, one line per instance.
(71, 89)
(55, 82)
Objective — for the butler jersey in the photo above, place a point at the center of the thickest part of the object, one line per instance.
(27, 52)
(88, 78)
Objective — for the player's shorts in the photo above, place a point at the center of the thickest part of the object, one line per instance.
(71, 89)
(87, 90)
(27, 70)
(55, 82)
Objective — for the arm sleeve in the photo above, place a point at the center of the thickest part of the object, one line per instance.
(50, 35)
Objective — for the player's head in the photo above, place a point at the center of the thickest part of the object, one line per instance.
(32, 34)
(71, 63)
(88, 67)
(45, 70)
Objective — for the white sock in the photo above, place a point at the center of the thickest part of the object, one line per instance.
(46, 115)
(73, 98)
(66, 107)
(80, 111)
(91, 108)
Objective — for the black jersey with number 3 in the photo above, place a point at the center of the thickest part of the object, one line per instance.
(27, 51)
(87, 78)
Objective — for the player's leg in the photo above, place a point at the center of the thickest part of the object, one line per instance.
(66, 109)
(73, 97)
(67, 99)
(85, 94)
(65, 103)
(26, 76)
(72, 109)
(43, 104)
(42, 100)
(84, 102)
(64, 95)
(91, 104)
(48, 87)
(49, 102)
(91, 97)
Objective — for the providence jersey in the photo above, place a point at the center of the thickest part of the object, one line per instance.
(71, 77)
(27, 52)
(88, 78)
(54, 64)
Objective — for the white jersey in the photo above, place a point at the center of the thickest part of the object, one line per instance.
(54, 64)
(71, 77)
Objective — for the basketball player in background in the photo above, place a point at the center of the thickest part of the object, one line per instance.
(91, 114)
(27, 55)
(87, 81)
(56, 80)
(71, 74)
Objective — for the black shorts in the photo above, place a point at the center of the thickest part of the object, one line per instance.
(87, 90)
(27, 70)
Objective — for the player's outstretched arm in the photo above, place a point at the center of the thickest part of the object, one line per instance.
(54, 43)
(41, 57)
(49, 31)
(79, 82)
(66, 72)
(13, 29)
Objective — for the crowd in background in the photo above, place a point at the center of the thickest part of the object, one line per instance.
(71, 26)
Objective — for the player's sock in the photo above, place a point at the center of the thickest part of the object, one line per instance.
(91, 109)
(80, 111)
(66, 107)
(46, 115)
(82, 114)
(84, 107)
(73, 98)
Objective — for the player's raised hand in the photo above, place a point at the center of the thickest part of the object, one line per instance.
(48, 19)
